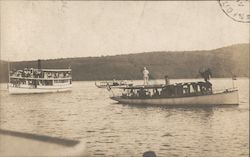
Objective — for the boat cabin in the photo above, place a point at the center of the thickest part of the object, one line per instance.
(168, 91)
(40, 77)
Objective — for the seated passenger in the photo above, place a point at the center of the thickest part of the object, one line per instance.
(142, 93)
(156, 93)
(115, 84)
(208, 87)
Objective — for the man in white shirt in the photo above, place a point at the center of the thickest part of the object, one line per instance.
(145, 76)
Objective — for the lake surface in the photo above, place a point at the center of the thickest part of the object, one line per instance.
(111, 129)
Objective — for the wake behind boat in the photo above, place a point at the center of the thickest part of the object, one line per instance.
(39, 80)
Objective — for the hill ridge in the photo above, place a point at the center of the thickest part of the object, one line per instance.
(224, 62)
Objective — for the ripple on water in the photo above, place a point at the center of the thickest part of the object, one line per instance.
(112, 129)
(167, 134)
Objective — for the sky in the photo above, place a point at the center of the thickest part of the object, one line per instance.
(33, 30)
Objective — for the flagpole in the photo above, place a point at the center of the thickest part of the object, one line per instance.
(8, 73)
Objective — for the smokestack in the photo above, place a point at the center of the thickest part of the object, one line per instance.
(39, 65)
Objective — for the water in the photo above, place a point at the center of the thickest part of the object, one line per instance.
(111, 129)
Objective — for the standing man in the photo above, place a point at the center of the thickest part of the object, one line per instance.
(145, 76)
(167, 81)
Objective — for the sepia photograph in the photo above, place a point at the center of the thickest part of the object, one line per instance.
(124, 78)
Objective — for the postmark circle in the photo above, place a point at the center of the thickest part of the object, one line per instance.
(238, 10)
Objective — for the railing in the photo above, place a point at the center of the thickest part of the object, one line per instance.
(34, 78)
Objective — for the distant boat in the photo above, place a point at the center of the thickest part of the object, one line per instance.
(39, 80)
(113, 84)
(188, 94)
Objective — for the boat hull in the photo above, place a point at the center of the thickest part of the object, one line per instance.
(39, 89)
(223, 98)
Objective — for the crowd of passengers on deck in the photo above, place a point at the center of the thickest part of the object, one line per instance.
(173, 90)
(34, 83)
(36, 73)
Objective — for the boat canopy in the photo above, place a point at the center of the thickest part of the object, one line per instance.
(55, 70)
(38, 78)
(163, 90)
(144, 86)
(162, 85)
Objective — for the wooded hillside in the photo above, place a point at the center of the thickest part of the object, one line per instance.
(224, 62)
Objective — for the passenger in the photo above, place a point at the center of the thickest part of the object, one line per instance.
(148, 93)
(156, 92)
(167, 81)
(208, 87)
(25, 72)
(35, 83)
(166, 91)
(195, 87)
(138, 93)
(142, 93)
(131, 92)
(34, 74)
(124, 95)
(28, 74)
(49, 75)
(186, 89)
(31, 72)
(178, 89)
(115, 83)
(202, 88)
(38, 74)
(134, 94)
(145, 76)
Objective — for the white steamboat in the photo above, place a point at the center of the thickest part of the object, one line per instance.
(39, 80)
